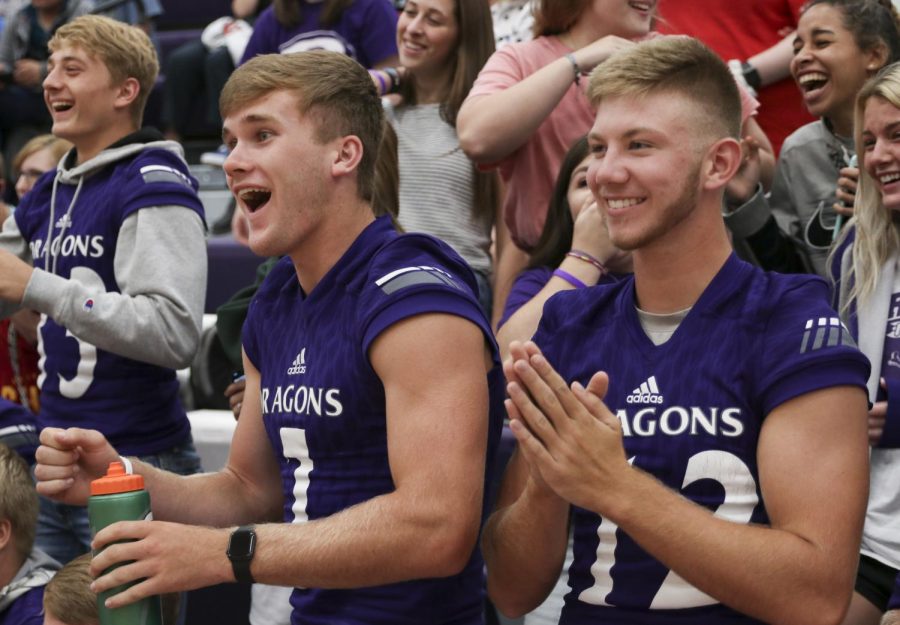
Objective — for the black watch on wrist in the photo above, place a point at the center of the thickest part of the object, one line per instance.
(751, 75)
(241, 548)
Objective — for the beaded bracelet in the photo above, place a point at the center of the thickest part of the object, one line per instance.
(589, 259)
(575, 67)
(565, 275)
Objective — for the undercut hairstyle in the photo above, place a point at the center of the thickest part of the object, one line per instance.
(555, 17)
(331, 88)
(125, 50)
(18, 500)
(876, 236)
(58, 147)
(680, 65)
(872, 23)
(68, 596)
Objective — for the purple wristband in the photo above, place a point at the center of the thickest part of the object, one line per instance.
(565, 275)
(380, 79)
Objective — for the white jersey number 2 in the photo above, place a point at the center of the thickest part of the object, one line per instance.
(675, 593)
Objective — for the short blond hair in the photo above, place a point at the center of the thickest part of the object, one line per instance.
(336, 91)
(18, 500)
(125, 50)
(68, 596)
(56, 145)
(679, 65)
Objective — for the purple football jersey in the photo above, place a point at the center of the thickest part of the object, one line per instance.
(324, 406)
(365, 32)
(134, 404)
(691, 411)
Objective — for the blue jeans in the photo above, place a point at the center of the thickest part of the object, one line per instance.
(63, 530)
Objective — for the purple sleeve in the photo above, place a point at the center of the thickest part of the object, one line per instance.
(805, 348)
(526, 286)
(417, 275)
(263, 36)
(422, 302)
(378, 40)
(157, 178)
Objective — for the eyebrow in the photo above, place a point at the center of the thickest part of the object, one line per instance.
(428, 10)
(887, 129)
(252, 118)
(65, 59)
(822, 31)
(628, 134)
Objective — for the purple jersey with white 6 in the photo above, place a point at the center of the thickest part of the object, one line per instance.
(691, 411)
(324, 406)
(134, 404)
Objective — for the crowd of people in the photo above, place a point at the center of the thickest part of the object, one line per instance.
(559, 220)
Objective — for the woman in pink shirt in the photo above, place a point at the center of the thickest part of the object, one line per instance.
(528, 106)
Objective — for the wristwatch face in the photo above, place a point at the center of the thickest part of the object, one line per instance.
(242, 544)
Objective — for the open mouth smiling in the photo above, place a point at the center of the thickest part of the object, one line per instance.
(254, 198)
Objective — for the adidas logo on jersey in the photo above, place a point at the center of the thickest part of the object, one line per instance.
(299, 365)
(64, 222)
(646, 393)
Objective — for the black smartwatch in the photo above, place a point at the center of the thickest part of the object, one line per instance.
(241, 548)
(751, 75)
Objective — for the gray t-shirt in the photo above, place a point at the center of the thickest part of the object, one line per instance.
(437, 190)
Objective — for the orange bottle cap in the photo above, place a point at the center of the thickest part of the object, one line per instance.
(116, 481)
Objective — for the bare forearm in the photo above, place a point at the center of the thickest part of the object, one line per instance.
(770, 573)
(489, 131)
(522, 324)
(218, 499)
(524, 546)
(773, 64)
(383, 540)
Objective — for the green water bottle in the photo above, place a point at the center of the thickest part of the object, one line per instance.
(116, 497)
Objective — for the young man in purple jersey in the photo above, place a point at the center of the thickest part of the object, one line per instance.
(110, 248)
(704, 422)
(374, 391)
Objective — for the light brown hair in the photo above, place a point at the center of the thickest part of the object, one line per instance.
(57, 148)
(679, 65)
(125, 50)
(330, 87)
(18, 500)
(68, 595)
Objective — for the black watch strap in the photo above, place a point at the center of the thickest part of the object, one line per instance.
(751, 75)
(241, 548)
